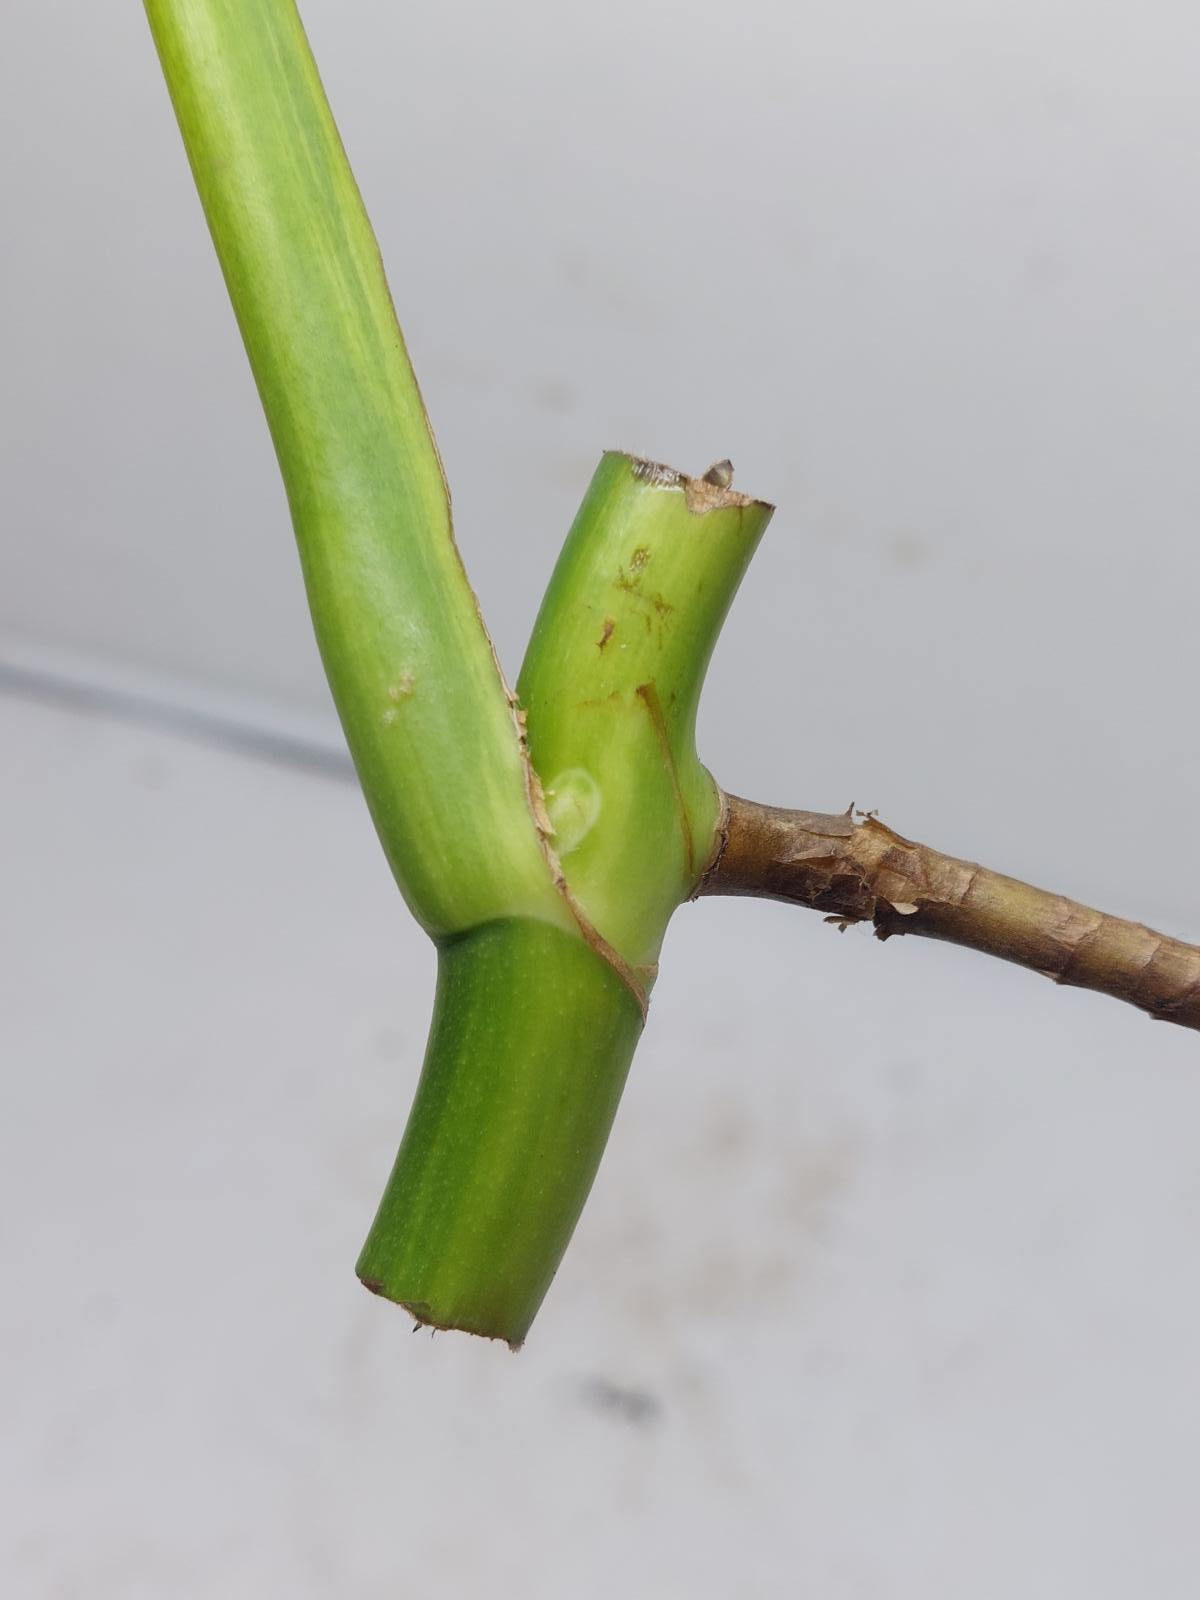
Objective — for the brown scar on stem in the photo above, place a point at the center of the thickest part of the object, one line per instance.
(654, 607)
(854, 868)
(609, 624)
(648, 694)
(700, 494)
(636, 979)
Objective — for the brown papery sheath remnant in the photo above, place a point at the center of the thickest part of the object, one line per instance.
(858, 870)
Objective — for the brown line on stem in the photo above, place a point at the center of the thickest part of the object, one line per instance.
(648, 694)
(859, 870)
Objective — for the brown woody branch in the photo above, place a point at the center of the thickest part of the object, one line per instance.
(858, 870)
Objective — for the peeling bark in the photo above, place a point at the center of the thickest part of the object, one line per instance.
(856, 869)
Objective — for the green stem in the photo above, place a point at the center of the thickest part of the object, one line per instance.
(426, 713)
(531, 1040)
(611, 683)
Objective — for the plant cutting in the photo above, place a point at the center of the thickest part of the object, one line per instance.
(543, 837)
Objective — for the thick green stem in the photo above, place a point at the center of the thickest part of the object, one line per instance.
(531, 1040)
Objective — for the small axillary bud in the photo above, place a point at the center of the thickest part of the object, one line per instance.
(720, 474)
(573, 803)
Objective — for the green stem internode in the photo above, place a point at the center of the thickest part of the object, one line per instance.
(531, 1040)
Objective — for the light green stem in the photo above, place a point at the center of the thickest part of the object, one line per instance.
(611, 683)
(426, 713)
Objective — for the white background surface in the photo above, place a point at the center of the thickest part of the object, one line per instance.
(888, 1287)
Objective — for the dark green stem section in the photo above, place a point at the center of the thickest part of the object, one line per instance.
(531, 1042)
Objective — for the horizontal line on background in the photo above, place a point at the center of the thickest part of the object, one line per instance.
(33, 671)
